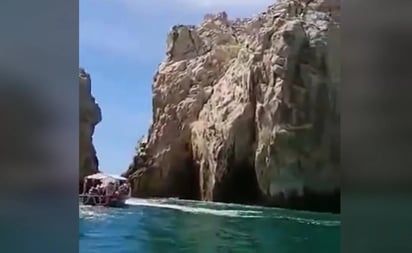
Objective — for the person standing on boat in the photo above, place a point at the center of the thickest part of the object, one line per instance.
(93, 195)
(92, 190)
(123, 189)
(110, 189)
(100, 192)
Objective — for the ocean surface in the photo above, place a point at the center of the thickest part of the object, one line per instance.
(170, 225)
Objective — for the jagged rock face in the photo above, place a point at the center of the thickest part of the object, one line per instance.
(90, 116)
(247, 110)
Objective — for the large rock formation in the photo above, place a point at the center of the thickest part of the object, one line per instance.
(247, 110)
(90, 116)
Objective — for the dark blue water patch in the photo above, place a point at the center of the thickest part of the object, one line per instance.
(190, 226)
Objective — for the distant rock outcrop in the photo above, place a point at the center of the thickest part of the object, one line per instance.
(90, 116)
(247, 110)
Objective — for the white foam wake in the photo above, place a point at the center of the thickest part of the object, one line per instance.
(274, 213)
(195, 210)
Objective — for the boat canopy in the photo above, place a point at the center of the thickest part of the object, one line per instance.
(102, 176)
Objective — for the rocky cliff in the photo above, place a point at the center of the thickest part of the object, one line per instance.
(246, 110)
(90, 116)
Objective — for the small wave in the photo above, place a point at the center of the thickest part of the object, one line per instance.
(214, 203)
(195, 210)
(276, 213)
(243, 206)
(273, 213)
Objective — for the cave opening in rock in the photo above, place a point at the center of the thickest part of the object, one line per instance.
(238, 185)
(187, 180)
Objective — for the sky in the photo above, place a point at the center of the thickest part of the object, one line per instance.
(121, 44)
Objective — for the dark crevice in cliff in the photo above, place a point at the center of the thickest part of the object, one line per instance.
(239, 185)
(187, 180)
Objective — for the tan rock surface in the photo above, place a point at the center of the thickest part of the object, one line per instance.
(90, 116)
(246, 110)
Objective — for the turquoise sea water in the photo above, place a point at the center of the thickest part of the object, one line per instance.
(168, 226)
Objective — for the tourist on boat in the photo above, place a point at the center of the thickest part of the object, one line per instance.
(93, 195)
(124, 189)
(121, 188)
(108, 192)
(116, 194)
(110, 188)
(100, 189)
(100, 192)
(127, 188)
(92, 190)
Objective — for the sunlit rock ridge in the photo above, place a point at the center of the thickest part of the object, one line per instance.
(90, 116)
(246, 110)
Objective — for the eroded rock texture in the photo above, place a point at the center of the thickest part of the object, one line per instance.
(247, 110)
(90, 116)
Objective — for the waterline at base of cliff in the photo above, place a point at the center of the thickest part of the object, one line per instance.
(172, 225)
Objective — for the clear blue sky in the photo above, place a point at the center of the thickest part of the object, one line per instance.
(121, 44)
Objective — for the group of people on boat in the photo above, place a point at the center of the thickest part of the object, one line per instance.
(104, 192)
(109, 189)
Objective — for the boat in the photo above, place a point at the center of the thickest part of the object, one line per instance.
(107, 190)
